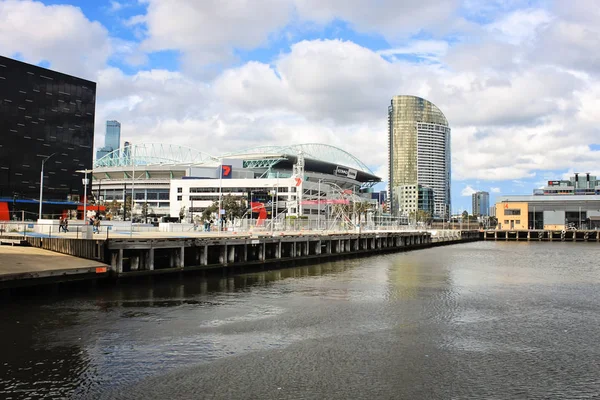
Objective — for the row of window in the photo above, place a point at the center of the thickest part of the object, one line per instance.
(235, 189)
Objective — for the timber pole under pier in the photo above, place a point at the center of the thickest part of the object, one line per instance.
(128, 257)
(542, 235)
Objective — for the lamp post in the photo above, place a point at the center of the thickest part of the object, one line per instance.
(46, 158)
(219, 217)
(85, 181)
(132, 157)
(319, 206)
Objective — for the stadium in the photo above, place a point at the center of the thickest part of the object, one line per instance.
(178, 182)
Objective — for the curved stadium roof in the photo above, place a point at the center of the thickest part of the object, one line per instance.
(153, 154)
(159, 154)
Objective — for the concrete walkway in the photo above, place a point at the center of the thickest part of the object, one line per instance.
(24, 264)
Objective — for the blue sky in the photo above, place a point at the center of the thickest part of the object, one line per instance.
(517, 79)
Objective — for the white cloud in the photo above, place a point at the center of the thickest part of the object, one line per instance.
(392, 18)
(59, 34)
(207, 31)
(521, 92)
(322, 80)
(520, 26)
(115, 5)
(467, 191)
(494, 190)
(430, 50)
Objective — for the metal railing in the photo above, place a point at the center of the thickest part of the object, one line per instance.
(78, 229)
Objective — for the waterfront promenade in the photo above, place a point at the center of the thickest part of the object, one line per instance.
(151, 253)
(24, 266)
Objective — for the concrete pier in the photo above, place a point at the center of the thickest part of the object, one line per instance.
(25, 266)
(147, 255)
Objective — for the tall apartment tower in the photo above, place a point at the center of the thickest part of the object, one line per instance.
(418, 155)
(481, 204)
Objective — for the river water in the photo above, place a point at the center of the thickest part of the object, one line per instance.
(480, 320)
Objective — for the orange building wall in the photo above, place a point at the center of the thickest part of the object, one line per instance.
(516, 222)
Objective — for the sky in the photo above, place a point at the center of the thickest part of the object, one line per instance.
(518, 80)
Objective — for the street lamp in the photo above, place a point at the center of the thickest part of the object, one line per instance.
(46, 158)
(219, 217)
(319, 207)
(85, 182)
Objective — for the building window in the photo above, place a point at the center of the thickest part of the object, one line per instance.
(512, 211)
(179, 190)
(506, 221)
(518, 221)
(179, 198)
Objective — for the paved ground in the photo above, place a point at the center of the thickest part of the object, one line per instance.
(18, 260)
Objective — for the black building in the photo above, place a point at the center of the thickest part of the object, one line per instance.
(43, 114)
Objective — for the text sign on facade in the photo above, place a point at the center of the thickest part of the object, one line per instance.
(347, 172)
(226, 171)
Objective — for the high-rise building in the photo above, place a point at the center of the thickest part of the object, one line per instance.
(113, 134)
(418, 155)
(112, 139)
(44, 115)
(126, 151)
(481, 204)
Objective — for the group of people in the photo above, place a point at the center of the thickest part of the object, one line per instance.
(94, 221)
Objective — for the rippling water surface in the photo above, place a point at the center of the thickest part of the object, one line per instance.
(481, 320)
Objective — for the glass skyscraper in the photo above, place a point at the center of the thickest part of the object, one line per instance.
(112, 139)
(481, 203)
(418, 155)
(113, 135)
(44, 114)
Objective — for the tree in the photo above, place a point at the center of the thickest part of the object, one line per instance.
(235, 207)
(127, 207)
(465, 215)
(209, 211)
(112, 209)
(146, 210)
(420, 216)
(362, 207)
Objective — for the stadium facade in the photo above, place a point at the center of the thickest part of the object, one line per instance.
(302, 180)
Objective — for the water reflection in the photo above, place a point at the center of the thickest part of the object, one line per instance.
(394, 323)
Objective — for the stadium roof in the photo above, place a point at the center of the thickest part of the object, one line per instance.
(146, 154)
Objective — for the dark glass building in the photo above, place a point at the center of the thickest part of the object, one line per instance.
(43, 114)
